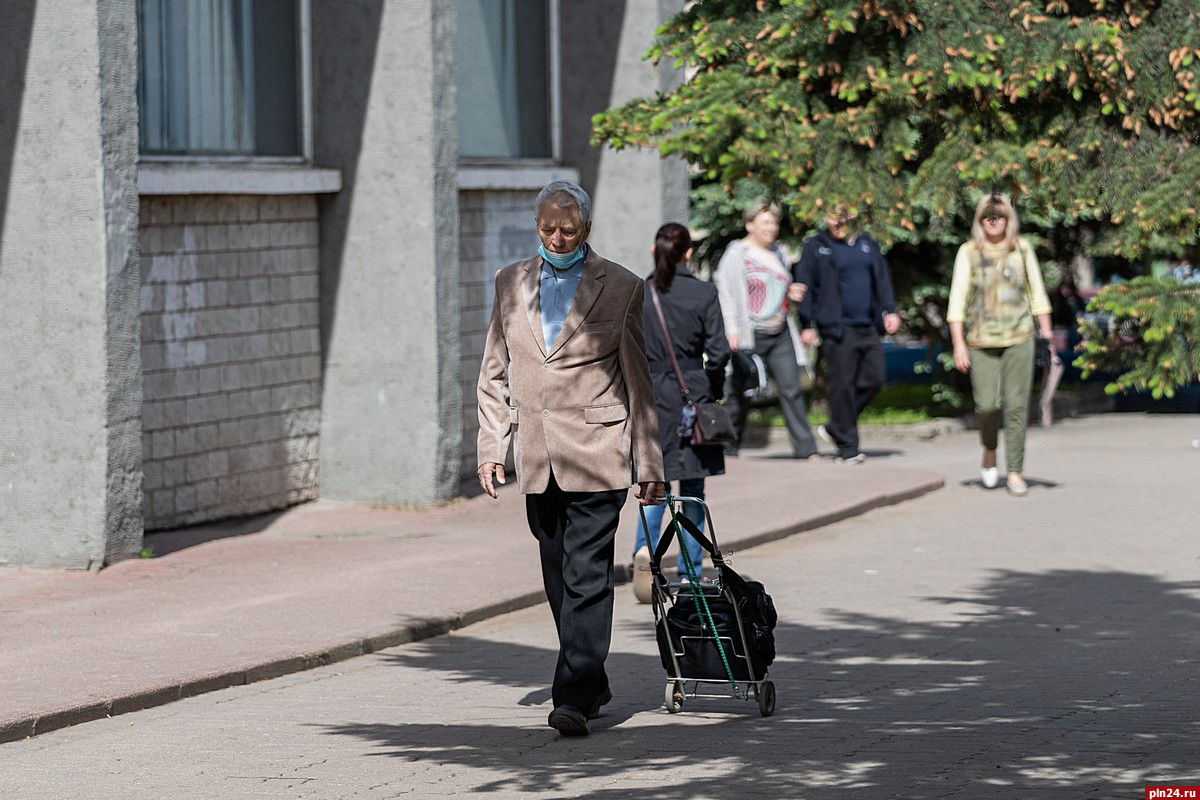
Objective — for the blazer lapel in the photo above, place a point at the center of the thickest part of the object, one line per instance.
(591, 283)
(531, 287)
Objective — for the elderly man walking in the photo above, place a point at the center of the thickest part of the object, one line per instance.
(564, 376)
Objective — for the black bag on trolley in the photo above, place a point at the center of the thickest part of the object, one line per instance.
(688, 631)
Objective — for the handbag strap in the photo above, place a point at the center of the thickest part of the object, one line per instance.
(662, 326)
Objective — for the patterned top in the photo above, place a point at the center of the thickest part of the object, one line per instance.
(767, 281)
(996, 292)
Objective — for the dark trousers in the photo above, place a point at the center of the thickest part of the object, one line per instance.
(575, 532)
(779, 357)
(856, 372)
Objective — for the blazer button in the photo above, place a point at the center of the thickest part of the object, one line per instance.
(545, 366)
(545, 412)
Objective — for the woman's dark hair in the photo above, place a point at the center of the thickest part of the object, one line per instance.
(671, 244)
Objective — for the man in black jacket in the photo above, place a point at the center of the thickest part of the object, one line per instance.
(851, 302)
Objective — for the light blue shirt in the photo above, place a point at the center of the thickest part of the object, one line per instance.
(558, 291)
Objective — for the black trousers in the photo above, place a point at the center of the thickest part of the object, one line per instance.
(856, 372)
(575, 533)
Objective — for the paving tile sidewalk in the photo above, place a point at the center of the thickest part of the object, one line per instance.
(229, 604)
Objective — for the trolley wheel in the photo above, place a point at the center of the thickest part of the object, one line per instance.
(673, 697)
(766, 698)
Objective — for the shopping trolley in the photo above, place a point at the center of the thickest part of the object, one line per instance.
(710, 633)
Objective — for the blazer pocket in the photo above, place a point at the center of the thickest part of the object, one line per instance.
(614, 412)
(512, 415)
(598, 327)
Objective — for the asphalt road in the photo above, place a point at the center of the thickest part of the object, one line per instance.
(965, 644)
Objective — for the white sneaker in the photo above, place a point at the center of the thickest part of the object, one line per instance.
(823, 435)
(642, 578)
(1016, 485)
(990, 476)
(857, 458)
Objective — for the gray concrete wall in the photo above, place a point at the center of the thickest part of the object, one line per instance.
(231, 355)
(634, 192)
(497, 229)
(70, 445)
(391, 426)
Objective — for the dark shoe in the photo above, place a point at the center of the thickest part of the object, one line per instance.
(604, 698)
(569, 721)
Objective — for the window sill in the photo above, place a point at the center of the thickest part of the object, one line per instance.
(512, 176)
(183, 178)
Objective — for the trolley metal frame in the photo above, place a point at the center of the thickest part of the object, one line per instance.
(665, 594)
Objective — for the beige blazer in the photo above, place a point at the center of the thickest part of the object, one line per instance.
(585, 407)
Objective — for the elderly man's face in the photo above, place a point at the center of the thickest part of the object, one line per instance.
(561, 228)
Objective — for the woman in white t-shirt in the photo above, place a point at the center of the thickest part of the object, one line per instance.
(755, 286)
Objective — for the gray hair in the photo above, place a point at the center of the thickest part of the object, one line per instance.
(760, 206)
(553, 192)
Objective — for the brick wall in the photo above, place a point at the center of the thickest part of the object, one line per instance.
(496, 230)
(230, 354)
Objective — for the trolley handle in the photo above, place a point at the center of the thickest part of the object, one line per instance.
(665, 539)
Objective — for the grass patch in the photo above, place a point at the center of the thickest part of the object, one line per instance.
(898, 404)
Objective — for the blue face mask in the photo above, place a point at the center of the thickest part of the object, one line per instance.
(561, 260)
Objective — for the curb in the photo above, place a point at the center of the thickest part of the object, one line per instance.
(850, 511)
(417, 630)
(36, 724)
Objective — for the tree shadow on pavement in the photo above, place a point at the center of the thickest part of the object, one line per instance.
(1070, 684)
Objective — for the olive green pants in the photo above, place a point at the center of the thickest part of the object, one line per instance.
(1001, 378)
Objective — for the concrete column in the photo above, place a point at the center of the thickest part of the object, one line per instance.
(70, 398)
(391, 424)
(634, 191)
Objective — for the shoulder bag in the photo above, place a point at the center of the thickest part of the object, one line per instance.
(699, 423)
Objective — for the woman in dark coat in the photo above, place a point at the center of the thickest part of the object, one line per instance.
(693, 318)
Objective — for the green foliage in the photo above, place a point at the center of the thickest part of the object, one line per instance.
(1145, 330)
(1085, 110)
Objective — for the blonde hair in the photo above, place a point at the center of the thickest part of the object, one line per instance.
(996, 204)
(760, 206)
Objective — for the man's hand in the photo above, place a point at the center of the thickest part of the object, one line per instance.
(796, 292)
(733, 340)
(649, 492)
(891, 323)
(808, 337)
(486, 473)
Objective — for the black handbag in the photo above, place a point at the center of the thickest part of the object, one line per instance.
(1043, 354)
(714, 425)
(699, 423)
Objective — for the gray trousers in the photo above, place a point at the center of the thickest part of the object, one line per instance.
(779, 357)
